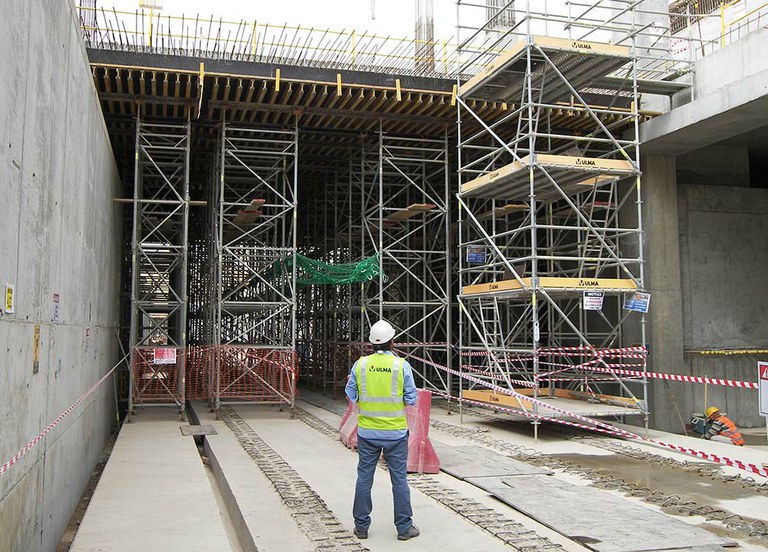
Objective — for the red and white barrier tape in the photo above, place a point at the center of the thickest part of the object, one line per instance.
(675, 377)
(584, 350)
(618, 369)
(596, 425)
(497, 377)
(595, 362)
(622, 352)
(39, 437)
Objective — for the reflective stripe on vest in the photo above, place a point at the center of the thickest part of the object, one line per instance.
(731, 431)
(380, 392)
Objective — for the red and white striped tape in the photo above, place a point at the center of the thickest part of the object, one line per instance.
(619, 370)
(627, 352)
(620, 352)
(497, 377)
(674, 377)
(39, 437)
(596, 425)
(594, 362)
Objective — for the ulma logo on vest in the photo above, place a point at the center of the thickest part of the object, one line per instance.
(379, 369)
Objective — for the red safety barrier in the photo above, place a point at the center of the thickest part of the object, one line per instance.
(422, 457)
(155, 375)
(348, 425)
(256, 374)
(241, 372)
(200, 363)
(421, 454)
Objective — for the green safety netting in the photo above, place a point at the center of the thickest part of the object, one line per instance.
(311, 272)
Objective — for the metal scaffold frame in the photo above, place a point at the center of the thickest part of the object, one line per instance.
(404, 185)
(322, 318)
(159, 264)
(253, 217)
(550, 204)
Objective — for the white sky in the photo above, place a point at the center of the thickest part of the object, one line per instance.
(394, 18)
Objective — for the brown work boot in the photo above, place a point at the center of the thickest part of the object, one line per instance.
(412, 533)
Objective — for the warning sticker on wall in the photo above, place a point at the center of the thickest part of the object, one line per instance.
(10, 300)
(36, 350)
(55, 313)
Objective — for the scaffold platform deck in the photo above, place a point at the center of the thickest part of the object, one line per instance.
(572, 174)
(578, 61)
(554, 284)
(604, 406)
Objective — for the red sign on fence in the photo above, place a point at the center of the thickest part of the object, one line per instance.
(165, 355)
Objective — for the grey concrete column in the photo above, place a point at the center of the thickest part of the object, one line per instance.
(662, 270)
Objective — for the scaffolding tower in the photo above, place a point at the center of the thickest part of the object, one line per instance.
(253, 307)
(550, 225)
(159, 264)
(322, 309)
(403, 187)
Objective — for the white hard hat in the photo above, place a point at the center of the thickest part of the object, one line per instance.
(381, 332)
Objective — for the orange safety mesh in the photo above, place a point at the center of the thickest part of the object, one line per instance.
(153, 382)
(259, 375)
(246, 373)
(200, 366)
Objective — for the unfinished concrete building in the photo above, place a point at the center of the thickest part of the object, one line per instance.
(560, 210)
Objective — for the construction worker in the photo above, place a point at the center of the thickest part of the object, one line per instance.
(719, 425)
(382, 384)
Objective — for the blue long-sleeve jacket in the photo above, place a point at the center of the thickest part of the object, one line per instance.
(409, 398)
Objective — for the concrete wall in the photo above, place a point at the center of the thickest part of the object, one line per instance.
(59, 234)
(724, 252)
(662, 271)
(715, 166)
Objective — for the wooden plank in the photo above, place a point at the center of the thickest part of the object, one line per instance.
(599, 520)
(491, 397)
(410, 211)
(560, 398)
(602, 166)
(581, 46)
(499, 175)
(553, 283)
(474, 461)
(503, 211)
(249, 214)
(501, 62)
(601, 169)
(508, 57)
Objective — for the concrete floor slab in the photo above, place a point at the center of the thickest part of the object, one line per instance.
(475, 461)
(154, 493)
(330, 469)
(601, 521)
(258, 513)
(466, 489)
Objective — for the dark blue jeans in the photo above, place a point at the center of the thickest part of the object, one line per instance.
(396, 456)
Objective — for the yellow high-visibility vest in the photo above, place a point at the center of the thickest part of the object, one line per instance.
(380, 392)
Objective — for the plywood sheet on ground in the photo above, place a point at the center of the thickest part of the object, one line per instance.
(597, 519)
(474, 461)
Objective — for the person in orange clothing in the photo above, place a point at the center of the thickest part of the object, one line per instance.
(717, 424)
